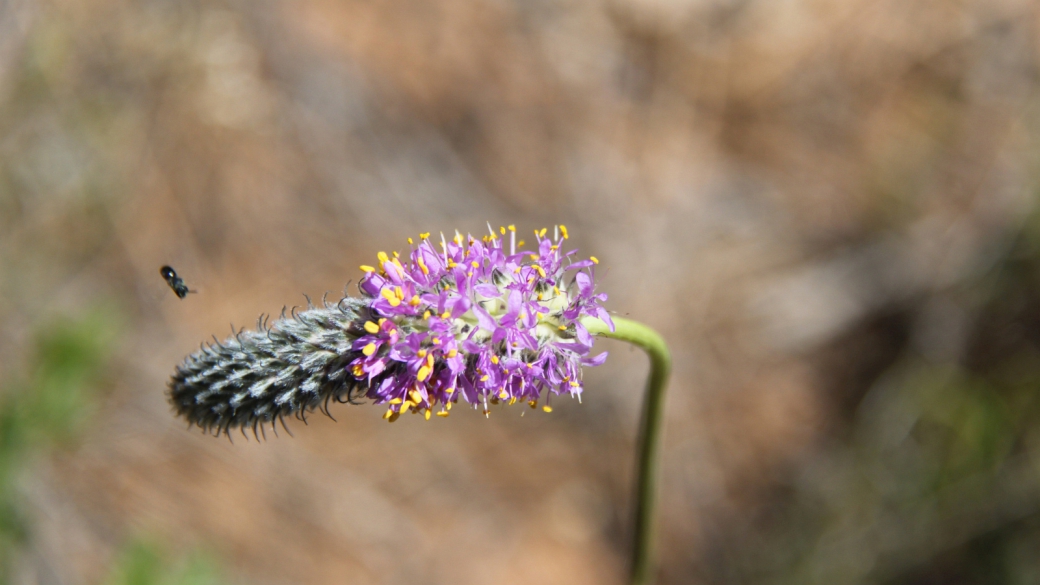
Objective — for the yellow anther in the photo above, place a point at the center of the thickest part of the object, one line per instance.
(520, 244)
(426, 414)
(414, 301)
(541, 234)
(451, 263)
(358, 371)
(562, 327)
(390, 297)
(371, 327)
(449, 392)
(594, 259)
(423, 236)
(367, 268)
(383, 257)
(411, 242)
(502, 230)
(415, 396)
(442, 413)
(369, 349)
(453, 353)
(512, 401)
(381, 321)
(395, 401)
(532, 403)
(534, 256)
(574, 383)
(396, 256)
(436, 341)
(554, 247)
(424, 372)
(563, 231)
(422, 266)
(457, 239)
(388, 414)
(494, 359)
(541, 271)
(469, 274)
(475, 264)
(445, 314)
(399, 293)
(406, 405)
(421, 353)
(556, 290)
(530, 366)
(539, 298)
(517, 271)
(547, 408)
(426, 315)
(484, 378)
(429, 361)
(503, 395)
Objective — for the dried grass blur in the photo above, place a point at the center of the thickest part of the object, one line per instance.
(828, 208)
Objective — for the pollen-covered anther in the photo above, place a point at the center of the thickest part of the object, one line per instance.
(369, 349)
(390, 297)
(423, 373)
(371, 327)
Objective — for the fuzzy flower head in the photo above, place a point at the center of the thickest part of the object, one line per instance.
(481, 319)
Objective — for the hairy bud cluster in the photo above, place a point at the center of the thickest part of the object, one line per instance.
(295, 366)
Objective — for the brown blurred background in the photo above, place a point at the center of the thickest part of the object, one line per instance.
(827, 207)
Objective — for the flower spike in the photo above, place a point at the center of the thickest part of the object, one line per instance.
(474, 319)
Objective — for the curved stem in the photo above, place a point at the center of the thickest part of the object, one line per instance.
(650, 432)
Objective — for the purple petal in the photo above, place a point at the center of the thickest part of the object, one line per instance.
(595, 361)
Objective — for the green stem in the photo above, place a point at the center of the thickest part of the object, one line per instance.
(650, 431)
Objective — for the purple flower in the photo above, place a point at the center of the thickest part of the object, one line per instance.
(476, 319)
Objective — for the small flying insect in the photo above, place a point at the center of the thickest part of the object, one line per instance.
(176, 283)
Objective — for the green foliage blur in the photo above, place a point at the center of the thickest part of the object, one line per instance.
(47, 409)
(144, 563)
(49, 406)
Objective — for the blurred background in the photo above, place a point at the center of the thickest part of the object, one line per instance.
(828, 208)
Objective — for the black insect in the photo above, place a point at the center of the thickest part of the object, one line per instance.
(175, 282)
